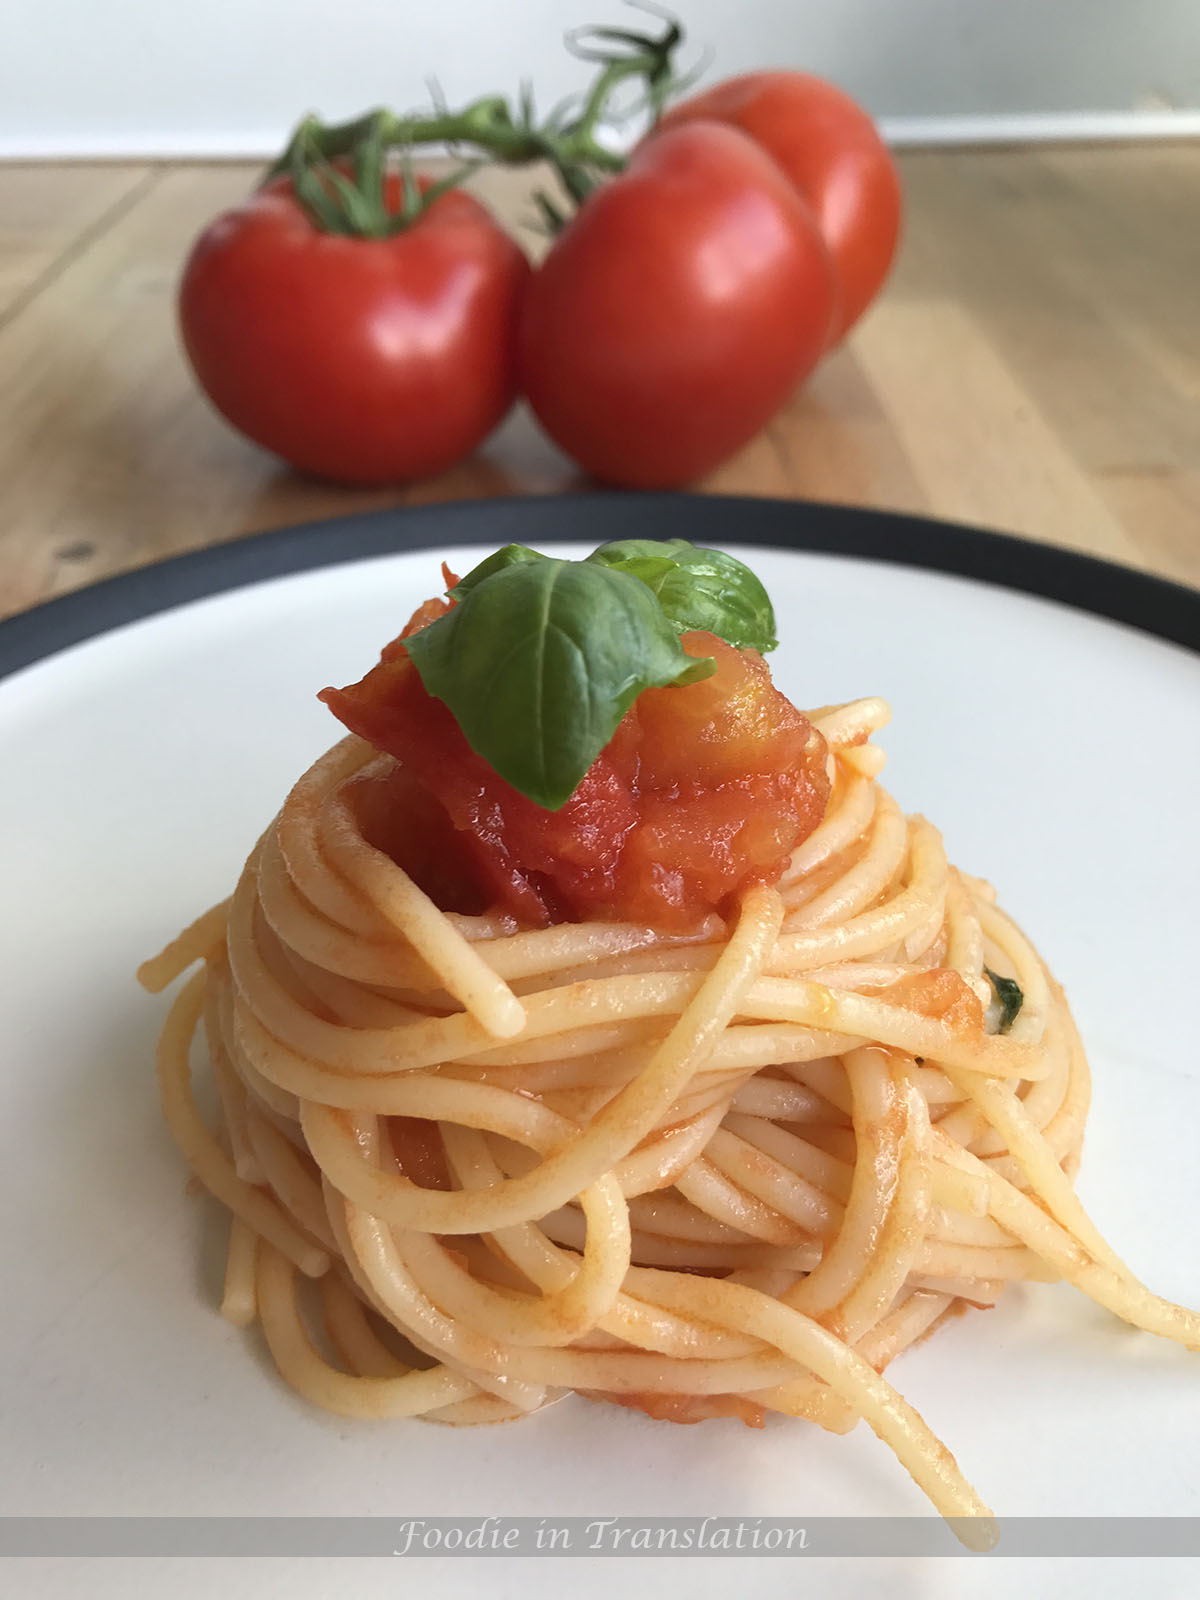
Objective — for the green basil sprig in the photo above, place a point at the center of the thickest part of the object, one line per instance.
(698, 588)
(541, 659)
(512, 555)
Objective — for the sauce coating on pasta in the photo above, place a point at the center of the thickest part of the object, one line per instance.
(703, 791)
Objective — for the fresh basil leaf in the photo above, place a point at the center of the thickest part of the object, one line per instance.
(540, 661)
(698, 588)
(1010, 996)
(512, 555)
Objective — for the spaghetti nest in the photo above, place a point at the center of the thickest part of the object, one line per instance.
(724, 1173)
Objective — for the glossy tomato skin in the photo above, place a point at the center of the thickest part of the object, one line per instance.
(831, 150)
(366, 361)
(677, 311)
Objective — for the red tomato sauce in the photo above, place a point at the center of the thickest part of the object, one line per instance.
(703, 791)
(686, 1407)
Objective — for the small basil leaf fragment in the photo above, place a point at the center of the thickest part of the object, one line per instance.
(512, 555)
(539, 663)
(698, 588)
(1008, 992)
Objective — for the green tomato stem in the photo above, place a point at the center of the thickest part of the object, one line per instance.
(354, 203)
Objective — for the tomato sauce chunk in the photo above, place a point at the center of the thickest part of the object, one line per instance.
(703, 791)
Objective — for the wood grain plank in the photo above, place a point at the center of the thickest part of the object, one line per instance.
(47, 211)
(835, 442)
(982, 450)
(1134, 223)
(1025, 369)
(97, 411)
(1164, 507)
(109, 455)
(1001, 247)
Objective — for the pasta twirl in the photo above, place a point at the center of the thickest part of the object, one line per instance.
(724, 1172)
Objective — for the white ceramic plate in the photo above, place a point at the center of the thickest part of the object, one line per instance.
(1060, 755)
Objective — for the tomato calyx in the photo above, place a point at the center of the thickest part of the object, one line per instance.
(355, 197)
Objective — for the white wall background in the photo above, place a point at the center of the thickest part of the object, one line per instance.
(97, 77)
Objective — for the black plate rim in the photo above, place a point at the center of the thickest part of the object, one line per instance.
(1153, 605)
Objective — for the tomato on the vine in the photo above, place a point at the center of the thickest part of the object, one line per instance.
(677, 310)
(366, 360)
(831, 150)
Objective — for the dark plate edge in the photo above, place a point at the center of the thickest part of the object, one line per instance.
(1153, 605)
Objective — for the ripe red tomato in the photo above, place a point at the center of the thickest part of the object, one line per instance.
(358, 359)
(677, 311)
(831, 150)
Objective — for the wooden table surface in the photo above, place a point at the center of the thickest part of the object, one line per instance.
(1034, 365)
